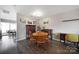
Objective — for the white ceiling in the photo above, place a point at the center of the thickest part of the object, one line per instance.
(48, 10)
(7, 12)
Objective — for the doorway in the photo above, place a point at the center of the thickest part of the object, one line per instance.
(29, 30)
(8, 29)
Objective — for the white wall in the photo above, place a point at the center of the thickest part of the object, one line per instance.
(66, 27)
(21, 29)
(21, 26)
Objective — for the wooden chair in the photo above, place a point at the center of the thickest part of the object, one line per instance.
(41, 38)
(42, 41)
(32, 41)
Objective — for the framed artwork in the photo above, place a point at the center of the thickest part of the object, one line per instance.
(23, 21)
(34, 22)
(29, 22)
(45, 22)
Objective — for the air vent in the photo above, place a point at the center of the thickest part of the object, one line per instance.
(6, 11)
(70, 20)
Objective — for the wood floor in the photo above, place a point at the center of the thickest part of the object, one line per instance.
(55, 48)
(9, 45)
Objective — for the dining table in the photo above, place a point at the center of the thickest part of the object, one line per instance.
(40, 37)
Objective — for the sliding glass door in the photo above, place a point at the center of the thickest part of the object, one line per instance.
(7, 28)
(4, 28)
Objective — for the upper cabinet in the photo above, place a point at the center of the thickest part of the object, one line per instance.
(46, 23)
(27, 21)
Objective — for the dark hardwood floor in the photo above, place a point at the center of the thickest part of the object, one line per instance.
(55, 48)
(9, 45)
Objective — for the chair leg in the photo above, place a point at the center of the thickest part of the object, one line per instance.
(74, 43)
(77, 44)
(64, 41)
(60, 40)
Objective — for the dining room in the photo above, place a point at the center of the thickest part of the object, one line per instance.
(48, 29)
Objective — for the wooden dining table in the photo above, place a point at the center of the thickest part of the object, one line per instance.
(40, 37)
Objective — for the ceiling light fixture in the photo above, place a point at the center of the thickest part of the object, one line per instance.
(37, 13)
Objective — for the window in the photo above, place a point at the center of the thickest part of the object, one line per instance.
(7, 26)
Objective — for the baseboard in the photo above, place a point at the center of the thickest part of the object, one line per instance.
(21, 39)
(56, 39)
